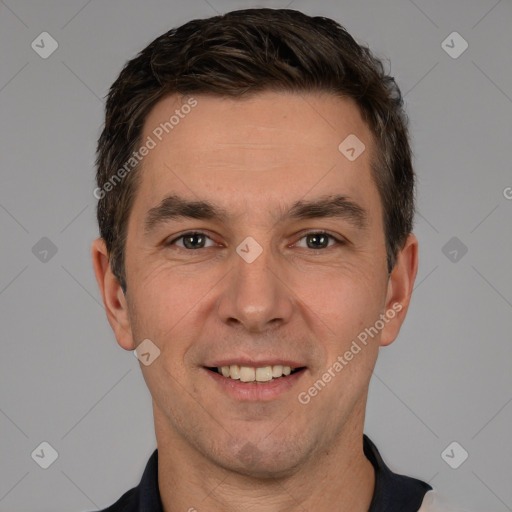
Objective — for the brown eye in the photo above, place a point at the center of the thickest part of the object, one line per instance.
(320, 240)
(192, 240)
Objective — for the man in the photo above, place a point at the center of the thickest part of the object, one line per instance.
(255, 207)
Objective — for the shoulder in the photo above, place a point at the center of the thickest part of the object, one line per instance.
(128, 502)
(434, 502)
(145, 496)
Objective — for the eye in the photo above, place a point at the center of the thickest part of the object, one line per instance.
(191, 240)
(320, 240)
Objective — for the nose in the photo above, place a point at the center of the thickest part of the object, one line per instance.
(256, 294)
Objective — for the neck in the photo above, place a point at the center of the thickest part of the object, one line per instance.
(340, 478)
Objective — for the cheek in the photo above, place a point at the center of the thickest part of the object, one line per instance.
(172, 307)
(346, 299)
(162, 307)
(349, 306)
(165, 314)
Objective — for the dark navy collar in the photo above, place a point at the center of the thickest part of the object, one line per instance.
(393, 492)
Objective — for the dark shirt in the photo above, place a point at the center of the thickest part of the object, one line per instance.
(393, 492)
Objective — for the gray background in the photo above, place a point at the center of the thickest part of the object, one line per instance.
(63, 378)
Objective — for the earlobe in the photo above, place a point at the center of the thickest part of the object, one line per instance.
(112, 294)
(400, 286)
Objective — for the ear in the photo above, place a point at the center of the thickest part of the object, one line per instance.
(113, 296)
(400, 286)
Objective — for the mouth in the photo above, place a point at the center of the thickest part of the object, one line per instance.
(255, 375)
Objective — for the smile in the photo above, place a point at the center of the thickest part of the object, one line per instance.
(251, 374)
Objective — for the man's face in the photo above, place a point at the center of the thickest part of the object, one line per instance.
(210, 300)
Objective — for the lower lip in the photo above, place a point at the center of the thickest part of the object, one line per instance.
(256, 391)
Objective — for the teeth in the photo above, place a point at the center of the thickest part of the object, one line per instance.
(234, 371)
(277, 370)
(264, 374)
(249, 374)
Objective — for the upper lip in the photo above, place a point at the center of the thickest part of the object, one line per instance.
(244, 361)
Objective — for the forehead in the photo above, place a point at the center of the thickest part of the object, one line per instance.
(254, 152)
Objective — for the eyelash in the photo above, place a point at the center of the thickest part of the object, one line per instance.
(323, 233)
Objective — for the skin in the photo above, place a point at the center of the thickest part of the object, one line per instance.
(255, 157)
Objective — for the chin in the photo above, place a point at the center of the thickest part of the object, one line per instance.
(266, 468)
(264, 460)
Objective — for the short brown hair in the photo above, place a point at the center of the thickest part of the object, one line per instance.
(245, 52)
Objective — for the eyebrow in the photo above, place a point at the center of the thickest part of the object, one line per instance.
(330, 206)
